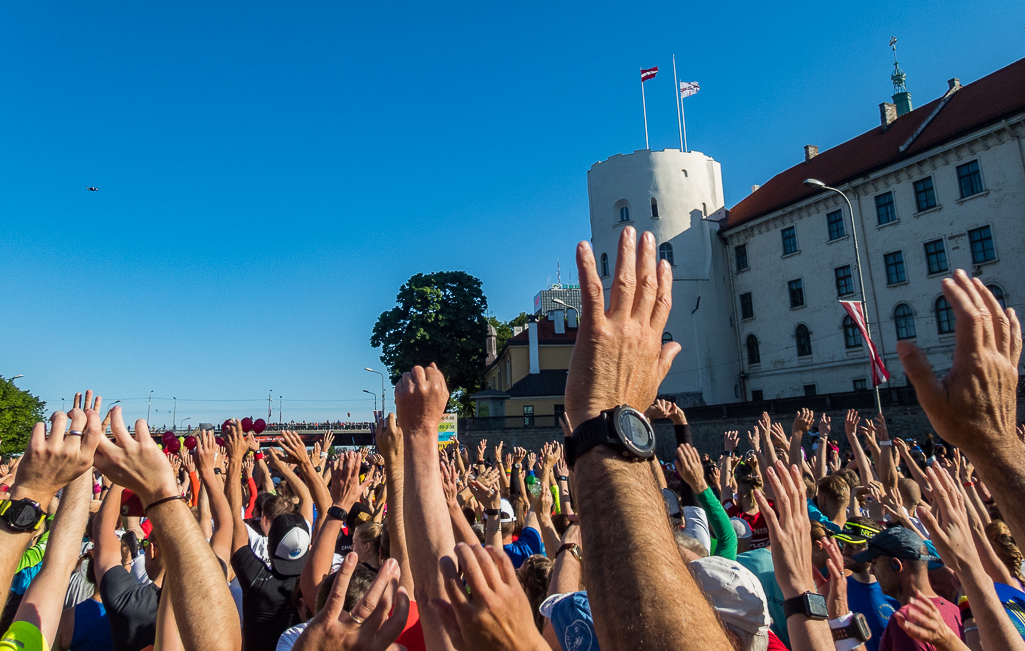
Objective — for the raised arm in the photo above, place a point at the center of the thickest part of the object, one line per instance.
(916, 473)
(850, 426)
(803, 421)
(317, 489)
(205, 454)
(298, 486)
(461, 529)
(389, 442)
(887, 467)
(820, 469)
(236, 449)
(726, 466)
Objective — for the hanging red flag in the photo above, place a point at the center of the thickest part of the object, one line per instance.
(649, 73)
(879, 372)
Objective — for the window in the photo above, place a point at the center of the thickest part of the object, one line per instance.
(752, 350)
(747, 308)
(861, 384)
(654, 208)
(844, 280)
(809, 390)
(757, 395)
(559, 411)
(604, 264)
(665, 252)
(944, 316)
(666, 337)
(796, 289)
(982, 245)
(969, 179)
(998, 294)
(935, 256)
(895, 268)
(789, 240)
(835, 222)
(925, 194)
(624, 214)
(851, 334)
(904, 319)
(740, 253)
(803, 337)
(528, 415)
(885, 210)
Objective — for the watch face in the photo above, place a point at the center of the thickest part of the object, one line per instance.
(22, 516)
(861, 630)
(816, 605)
(635, 432)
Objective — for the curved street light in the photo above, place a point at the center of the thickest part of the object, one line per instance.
(383, 408)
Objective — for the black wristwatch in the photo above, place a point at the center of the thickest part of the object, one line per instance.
(338, 513)
(623, 429)
(811, 604)
(857, 629)
(22, 515)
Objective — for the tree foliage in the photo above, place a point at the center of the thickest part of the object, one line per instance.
(505, 330)
(439, 318)
(19, 412)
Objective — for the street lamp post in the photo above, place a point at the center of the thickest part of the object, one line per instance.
(185, 419)
(149, 405)
(857, 258)
(280, 400)
(174, 413)
(383, 408)
(375, 397)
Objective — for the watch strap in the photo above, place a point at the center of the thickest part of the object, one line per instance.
(587, 435)
(798, 606)
(6, 505)
(338, 513)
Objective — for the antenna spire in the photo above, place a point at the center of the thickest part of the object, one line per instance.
(901, 96)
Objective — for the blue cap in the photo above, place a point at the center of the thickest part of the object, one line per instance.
(895, 542)
(570, 615)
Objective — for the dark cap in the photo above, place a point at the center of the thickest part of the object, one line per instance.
(857, 534)
(895, 542)
(288, 542)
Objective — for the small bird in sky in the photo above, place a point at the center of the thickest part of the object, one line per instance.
(92, 189)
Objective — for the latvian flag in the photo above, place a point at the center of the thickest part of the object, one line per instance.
(879, 372)
(688, 88)
(649, 73)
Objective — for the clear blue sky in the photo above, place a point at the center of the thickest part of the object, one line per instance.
(269, 174)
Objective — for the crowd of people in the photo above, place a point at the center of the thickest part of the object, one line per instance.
(108, 542)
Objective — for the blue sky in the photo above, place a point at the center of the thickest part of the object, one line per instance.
(270, 174)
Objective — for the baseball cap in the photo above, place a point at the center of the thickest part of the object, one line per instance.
(508, 514)
(288, 541)
(741, 528)
(735, 592)
(672, 502)
(571, 619)
(857, 534)
(895, 542)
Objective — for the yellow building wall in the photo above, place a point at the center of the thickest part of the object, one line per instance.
(542, 406)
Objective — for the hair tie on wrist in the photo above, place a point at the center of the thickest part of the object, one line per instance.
(145, 511)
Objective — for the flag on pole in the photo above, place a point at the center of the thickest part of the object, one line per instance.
(649, 73)
(879, 372)
(688, 88)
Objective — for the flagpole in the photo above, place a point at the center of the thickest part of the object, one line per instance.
(683, 121)
(644, 106)
(679, 117)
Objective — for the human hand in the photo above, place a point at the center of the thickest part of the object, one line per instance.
(205, 452)
(825, 424)
(372, 625)
(420, 400)
(973, 406)
(345, 484)
(790, 531)
(135, 463)
(235, 444)
(389, 437)
(561, 467)
(779, 437)
(730, 440)
(325, 446)
(688, 464)
(850, 424)
(495, 614)
(176, 465)
(518, 455)
(803, 421)
(619, 357)
(836, 600)
(567, 427)
(948, 524)
(754, 440)
(486, 493)
(880, 425)
(481, 448)
(498, 451)
(247, 466)
(868, 429)
(660, 409)
(294, 447)
(531, 460)
(448, 483)
(924, 623)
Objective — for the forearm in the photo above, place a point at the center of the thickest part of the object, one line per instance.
(864, 468)
(12, 546)
(565, 501)
(628, 593)
(204, 609)
(887, 469)
(995, 627)
(549, 535)
(318, 489)
(194, 488)
(267, 484)
(719, 522)
(1003, 470)
(301, 490)
(566, 575)
(461, 529)
(796, 458)
(233, 493)
(204, 517)
(253, 493)
(319, 564)
(395, 523)
(724, 479)
(106, 546)
(820, 458)
(167, 638)
(220, 510)
(917, 474)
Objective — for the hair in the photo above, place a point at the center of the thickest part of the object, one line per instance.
(689, 542)
(746, 640)
(508, 529)
(359, 583)
(358, 514)
(534, 575)
(863, 521)
(276, 505)
(90, 568)
(851, 477)
(385, 543)
(561, 522)
(520, 508)
(818, 531)
(810, 486)
(838, 491)
(469, 514)
(746, 473)
(369, 533)
(478, 530)
(910, 493)
(261, 499)
(1005, 547)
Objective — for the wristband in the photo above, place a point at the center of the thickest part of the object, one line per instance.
(258, 455)
(145, 511)
(846, 644)
(727, 453)
(572, 548)
(968, 484)
(883, 444)
(492, 512)
(563, 478)
(965, 608)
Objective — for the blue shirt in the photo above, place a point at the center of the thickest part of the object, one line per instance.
(528, 544)
(869, 600)
(759, 561)
(1013, 601)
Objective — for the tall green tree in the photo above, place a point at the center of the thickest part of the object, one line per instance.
(439, 318)
(19, 412)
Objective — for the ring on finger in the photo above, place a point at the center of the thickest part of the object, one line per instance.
(74, 432)
(355, 618)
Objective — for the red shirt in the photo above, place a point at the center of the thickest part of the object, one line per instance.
(895, 639)
(759, 529)
(412, 636)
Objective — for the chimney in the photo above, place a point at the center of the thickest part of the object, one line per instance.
(560, 321)
(887, 114)
(755, 187)
(535, 360)
(953, 84)
(571, 316)
(810, 152)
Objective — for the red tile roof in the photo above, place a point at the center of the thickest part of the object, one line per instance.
(545, 335)
(976, 105)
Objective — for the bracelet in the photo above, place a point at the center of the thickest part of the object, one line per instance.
(258, 455)
(572, 548)
(883, 444)
(145, 511)
(971, 628)
(968, 484)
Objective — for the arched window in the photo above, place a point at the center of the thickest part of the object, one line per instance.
(851, 334)
(665, 252)
(666, 337)
(624, 213)
(604, 264)
(752, 350)
(803, 337)
(904, 319)
(998, 294)
(944, 316)
(654, 208)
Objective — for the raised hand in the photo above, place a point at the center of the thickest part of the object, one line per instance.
(176, 465)
(294, 446)
(518, 455)
(481, 448)
(50, 463)
(754, 440)
(205, 452)
(531, 460)
(389, 437)
(850, 424)
(948, 525)
(135, 463)
(345, 484)
(790, 530)
(688, 464)
(660, 409)
(825, 424)
(495, 614)
(880, 426)
(420, 400)
(247, 466)
(235, 443)
(803, 421)
(187, 461)
(448, 482)
(730, 440)
(836, 600)
(779, 437)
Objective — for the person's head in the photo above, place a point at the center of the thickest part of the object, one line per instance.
(288, 542)
(261, 499)
(818, 556)
(1003, 544)
(561, 522)
(748, 479)
(910, 493)
(690, 547)
(273, 506)
(366, 542)
(853, 539)
(358, 514)
(534, 576)
(738, 599)
(810, 486)
(851, 477)
(153, 560)
(508, 519)
(900, 562)
(359, 583)
(832, 497)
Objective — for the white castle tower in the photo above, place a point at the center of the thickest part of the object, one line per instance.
(673, 194)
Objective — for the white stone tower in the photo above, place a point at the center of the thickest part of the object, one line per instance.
(673, 194)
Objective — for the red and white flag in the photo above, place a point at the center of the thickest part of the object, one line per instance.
(879, 372)
(688, 88)
(649, 73)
